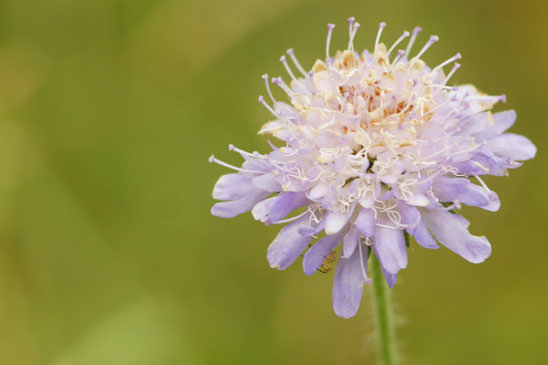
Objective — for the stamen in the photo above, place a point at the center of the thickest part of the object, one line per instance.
(330, 28)
(401, 38)
(352, 29)
(287, 220)
(280, 82)
(267, 84)
(416, 31)
(433, 39)
(284, 61)
(364, 273)
(296, 62)
(231, 147)
(213, 159)
(401, 52)
(456, 66)
(381, 27)
(262, 101)
(454, 58)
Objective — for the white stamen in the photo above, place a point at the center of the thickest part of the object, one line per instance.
(330, 28)
(286, 65)
(416, 31)
(267, 84)
(401, 38)
(401, 52)
(296, 62)
(213, 159)
(433, 39)
(456, 66)
(454, 58)
(280, 82)
(231, 147)
(262, 101)
(287, 220)
(364, 273)
(352, 29)
(381, 27)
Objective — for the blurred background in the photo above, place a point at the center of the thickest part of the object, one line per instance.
(109, 110)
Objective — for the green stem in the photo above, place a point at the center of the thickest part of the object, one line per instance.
(385, 324)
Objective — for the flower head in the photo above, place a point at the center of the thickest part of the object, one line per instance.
(375, 147)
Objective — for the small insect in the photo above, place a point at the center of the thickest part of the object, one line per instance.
(326, 267)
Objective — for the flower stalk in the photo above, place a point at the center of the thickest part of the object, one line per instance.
(386, 339)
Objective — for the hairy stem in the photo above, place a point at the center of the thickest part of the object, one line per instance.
(384, 316)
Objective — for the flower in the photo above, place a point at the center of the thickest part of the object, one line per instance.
(376, 148)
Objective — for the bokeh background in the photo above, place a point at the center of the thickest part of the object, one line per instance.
(109, 110)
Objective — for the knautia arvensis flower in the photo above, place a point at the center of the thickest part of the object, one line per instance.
(375, 147)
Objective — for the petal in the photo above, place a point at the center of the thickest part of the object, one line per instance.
(348, 284)
(288, 245)
(390, 278)
(316, 255)
(411, 217)
(236, 207)
(232, 187)
(451, 230)
(389, 246)
(512, 146)
(501, 122)
(334, 222)
(350, 241)
(423, 237)
(365, 221)
(276, 208)
(267, 182)
(460, 189)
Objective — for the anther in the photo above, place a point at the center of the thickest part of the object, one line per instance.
(284, 62)
(433, 39)
(416, 31)
(296, 62)
(330, 28)
(401, 38)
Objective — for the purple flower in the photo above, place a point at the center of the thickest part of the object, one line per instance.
(374, 147)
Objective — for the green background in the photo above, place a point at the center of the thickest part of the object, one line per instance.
(109, 110)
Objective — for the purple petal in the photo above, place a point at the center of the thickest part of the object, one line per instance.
(365, 221)
(390, 278)
(389, 246)
(316, 255)
(451, 230)
(512, 146)
(410, 216)
(232, 187)
(236, 207)
(423, 237)
(276, 208)
(501, 122)
(348, 283)
(350, 241)
(288, 245)
(267, 182)
(460, 189)
(334, 222)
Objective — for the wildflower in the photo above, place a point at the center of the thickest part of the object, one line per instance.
(376, 147)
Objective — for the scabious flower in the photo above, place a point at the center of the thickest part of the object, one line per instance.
(375, 147)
